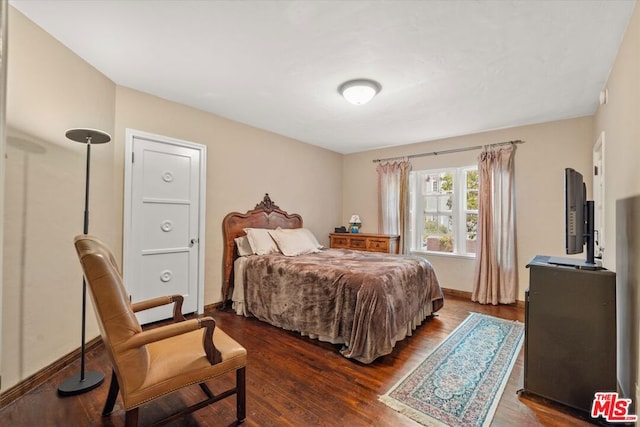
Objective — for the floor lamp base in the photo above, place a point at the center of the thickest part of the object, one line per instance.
(75, 385)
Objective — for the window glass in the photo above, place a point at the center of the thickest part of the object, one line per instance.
(445, 213)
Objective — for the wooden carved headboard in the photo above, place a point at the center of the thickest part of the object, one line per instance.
(266, 214)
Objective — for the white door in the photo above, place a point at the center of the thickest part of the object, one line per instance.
(164, 222)
(598, 195)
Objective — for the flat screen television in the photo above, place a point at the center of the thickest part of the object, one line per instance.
(579, 224)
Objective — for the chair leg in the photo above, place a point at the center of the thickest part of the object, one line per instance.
(131, 418)
(207, 390)
(114, 388)
(241, 395)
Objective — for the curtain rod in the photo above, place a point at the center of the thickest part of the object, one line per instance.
(453, 150)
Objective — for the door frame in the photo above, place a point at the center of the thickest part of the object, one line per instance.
(130, 134)
(598, 192)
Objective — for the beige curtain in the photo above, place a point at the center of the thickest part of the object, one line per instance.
(496, 274)
(393, 200)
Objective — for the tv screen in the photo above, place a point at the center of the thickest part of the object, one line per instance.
(579, 211)
(575, 197)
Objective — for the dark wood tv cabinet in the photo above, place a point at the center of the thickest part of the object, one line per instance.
(570, 333)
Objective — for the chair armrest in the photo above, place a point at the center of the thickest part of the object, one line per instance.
(213, 354)
(160, 301)
(158, 334)
(163, 332)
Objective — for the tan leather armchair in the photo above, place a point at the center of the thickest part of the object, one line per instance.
(152, 363)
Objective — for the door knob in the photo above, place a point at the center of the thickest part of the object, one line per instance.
(193, 242)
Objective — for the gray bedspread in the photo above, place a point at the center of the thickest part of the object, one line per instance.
(367, 301)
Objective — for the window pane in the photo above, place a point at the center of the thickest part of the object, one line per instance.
(446, 182)
(438, 233)
(472, 200)
(431, 183)
(438, 224)
(471, 232)
(439, 243)
(445, 203)
(425, 185)
(431, 224)
(472, 180)
(470, 247)
(472, 225)
(430, 204)
(438, 182)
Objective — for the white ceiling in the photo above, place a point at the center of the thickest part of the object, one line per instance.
(447, 68)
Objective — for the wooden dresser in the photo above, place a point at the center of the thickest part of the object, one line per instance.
(388, 243)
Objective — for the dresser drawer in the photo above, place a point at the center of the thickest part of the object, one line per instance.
(378, 245)
(340, 242)
(358, 243)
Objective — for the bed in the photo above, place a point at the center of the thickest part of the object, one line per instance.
(362, 300)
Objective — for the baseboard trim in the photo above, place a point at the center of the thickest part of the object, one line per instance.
(456, 293)
(45, 374)
(213, 307)
(467, 295)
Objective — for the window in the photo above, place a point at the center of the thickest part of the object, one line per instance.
(444, 210)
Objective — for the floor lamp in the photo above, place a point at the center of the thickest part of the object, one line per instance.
(84, 381)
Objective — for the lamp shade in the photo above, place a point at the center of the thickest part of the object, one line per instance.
(355, 219)
(359, 91)
(88, 135)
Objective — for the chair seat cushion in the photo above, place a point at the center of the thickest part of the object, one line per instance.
(170, 369)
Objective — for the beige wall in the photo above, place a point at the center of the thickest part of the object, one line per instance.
(619, 119)
(540, 163)
(51, 90)
(243, 163)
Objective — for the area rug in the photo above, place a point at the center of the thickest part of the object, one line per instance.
(461, 381)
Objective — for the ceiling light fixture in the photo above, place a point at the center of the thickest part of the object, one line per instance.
(359, 91)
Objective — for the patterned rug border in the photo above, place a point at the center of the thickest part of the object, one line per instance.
(427, 420)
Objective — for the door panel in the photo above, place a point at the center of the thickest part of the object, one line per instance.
(165, 274)
(166, 175)
(165, 226)
(163, 255)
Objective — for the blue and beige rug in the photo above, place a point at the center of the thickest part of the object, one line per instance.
(461, 381)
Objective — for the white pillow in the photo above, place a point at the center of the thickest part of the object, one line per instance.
(305, 231)
(312, 237)
(243, 245)
(260, 241)
(294, 241)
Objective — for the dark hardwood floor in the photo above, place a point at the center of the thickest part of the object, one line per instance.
(291, 381)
